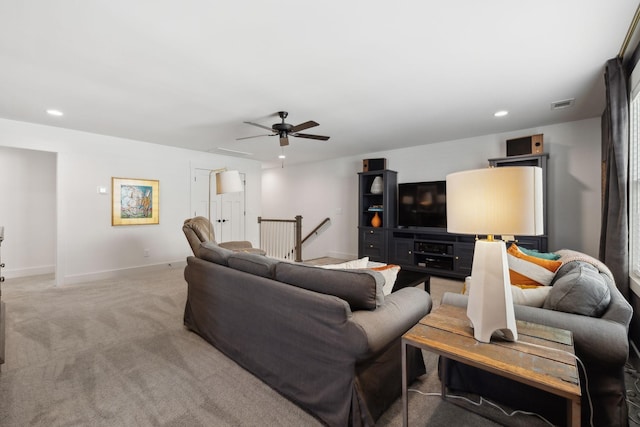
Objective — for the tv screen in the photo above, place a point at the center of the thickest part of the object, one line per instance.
(422, 204)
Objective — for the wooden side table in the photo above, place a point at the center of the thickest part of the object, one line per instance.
(542, 356)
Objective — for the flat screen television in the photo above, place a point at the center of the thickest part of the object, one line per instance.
(422, 204)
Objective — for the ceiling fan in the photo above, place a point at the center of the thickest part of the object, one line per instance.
(284, 130)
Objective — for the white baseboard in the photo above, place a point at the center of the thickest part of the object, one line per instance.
(27, 272)
(122, 272)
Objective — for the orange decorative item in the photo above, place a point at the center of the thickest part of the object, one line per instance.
(376, 221)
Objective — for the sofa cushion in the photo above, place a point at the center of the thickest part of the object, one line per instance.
(361, 288)
(210, 251)
(526, 270)
(258, 265)
(579, 288)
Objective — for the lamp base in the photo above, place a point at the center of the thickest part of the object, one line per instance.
(490, 306)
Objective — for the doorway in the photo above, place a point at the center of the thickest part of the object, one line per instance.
(227, 210)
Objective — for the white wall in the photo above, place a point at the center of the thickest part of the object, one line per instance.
(54, 216)
(28, 210)
(87, 246)
(317, 191)
(330, 188)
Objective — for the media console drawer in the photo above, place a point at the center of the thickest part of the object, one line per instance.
(373, 244)
(373, 237)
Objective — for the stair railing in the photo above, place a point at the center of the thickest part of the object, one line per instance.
(281, 238)
(316, 230)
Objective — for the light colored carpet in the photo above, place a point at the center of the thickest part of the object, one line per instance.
(115, 353)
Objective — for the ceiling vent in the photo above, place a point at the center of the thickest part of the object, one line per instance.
(559, 105)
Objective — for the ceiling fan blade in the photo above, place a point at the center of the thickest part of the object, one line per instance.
(306, 135)
(284, 140)
(255, 136)
(303, 126)
(259, 125)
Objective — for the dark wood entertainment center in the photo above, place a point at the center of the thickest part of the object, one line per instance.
(428, 250)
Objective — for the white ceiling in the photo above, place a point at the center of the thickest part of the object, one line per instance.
(376, 75)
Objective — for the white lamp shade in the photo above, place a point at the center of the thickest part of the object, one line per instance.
(228, 182)
(496, 201)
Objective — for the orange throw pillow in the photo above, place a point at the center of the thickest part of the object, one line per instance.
(529, 271)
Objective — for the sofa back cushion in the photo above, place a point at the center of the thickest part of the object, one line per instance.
(579, 288)
(210, 251)
(255, 264)
(361, 289)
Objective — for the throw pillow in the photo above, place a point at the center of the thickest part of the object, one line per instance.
(390, 273)
(579, 289)
(543, 255)
(356, 263)
(532, 296)
(526, 270)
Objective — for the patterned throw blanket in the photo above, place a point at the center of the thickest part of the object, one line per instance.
(567, 255)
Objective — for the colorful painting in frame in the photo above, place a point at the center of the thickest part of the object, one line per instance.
(135, 201)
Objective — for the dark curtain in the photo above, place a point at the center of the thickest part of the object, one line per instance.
(614, 232)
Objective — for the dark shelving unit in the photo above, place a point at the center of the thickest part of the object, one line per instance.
(372, 241)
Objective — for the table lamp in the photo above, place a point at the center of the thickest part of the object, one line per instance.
(490, 202)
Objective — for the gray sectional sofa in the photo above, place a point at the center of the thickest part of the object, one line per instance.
(584, 300)
(328, 340)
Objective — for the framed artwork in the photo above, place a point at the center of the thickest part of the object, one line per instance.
(135, 201)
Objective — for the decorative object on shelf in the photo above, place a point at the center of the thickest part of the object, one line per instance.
(370, 165)
(525, 145)
(376, 186)
(135, 201)
(494, 201)
(376, 221)
(375, 208)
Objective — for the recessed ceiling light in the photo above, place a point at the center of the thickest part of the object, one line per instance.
(55, 113)
(501, 113)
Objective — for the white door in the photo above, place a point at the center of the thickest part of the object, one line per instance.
(227, 210)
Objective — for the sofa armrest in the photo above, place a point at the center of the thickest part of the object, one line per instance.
(598, 340)
(401, 310)
(619, 309)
